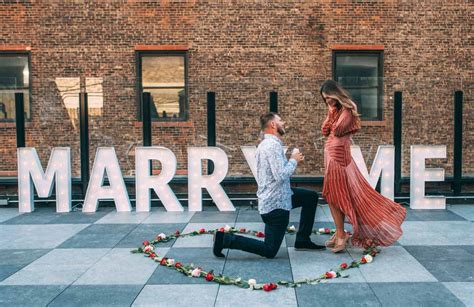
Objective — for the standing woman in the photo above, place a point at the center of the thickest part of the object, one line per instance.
(375, 219)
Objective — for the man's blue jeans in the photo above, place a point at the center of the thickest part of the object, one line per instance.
(276, 223)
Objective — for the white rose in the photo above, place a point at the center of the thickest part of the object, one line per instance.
(292, 228)
(162, 236)
(170, 261)
(196, 272)
(321, 230)
(368, 258)
(252, 282)
(227, 228)
(148, 248)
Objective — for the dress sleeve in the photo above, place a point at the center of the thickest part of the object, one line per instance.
(326, 126)
(346, 123)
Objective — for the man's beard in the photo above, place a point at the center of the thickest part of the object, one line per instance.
(281, 130)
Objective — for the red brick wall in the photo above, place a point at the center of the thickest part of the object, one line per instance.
(242, 50)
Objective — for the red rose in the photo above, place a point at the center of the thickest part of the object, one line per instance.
(243, 230)
(260, 234)
(273, 286)
(344, 266)
(327, 230)
(163, 261)
(152, 255)
(209, 276)
(267, 287)
(177, 233)
(146, 243)
(202, 230)
(178, 265)
(221, 229)
(363, 261)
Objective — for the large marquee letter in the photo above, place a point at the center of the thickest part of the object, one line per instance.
(383, 164)
(419, 174)
(211, 182)
(30, 173)
(249, 154)
(145, 181)
(106, 163)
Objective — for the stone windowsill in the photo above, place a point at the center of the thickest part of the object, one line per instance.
(375, 123)
(167, 124)
(13, 125)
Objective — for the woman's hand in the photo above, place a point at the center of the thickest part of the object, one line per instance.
(332, 109)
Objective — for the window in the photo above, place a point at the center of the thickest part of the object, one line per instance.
(361, 73)
(164, 76)
(14, 78)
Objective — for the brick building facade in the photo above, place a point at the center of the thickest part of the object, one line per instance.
(241, 50)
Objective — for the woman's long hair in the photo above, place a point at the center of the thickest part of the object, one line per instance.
(332, 89)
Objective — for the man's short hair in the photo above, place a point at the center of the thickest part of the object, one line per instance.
(266, 118)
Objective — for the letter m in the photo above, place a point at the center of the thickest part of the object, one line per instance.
(31, 174)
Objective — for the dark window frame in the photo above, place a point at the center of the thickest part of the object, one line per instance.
(139, 87)
(30, 85)
(380, 87)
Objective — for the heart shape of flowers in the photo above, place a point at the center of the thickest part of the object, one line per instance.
(148, 249)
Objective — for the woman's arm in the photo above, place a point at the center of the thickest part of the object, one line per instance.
(326, 126)
(347, 123)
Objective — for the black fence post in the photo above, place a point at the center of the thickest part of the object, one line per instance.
(274, 102)
(84, 139)
(146, 117)
(20, 119)
(457, 164)
(397, 139)
(211, 126)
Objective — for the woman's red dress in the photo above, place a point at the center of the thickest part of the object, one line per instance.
(376, 220)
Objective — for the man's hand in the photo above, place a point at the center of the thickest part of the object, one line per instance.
(298, 156)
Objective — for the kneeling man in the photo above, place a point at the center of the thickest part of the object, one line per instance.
(275, 197)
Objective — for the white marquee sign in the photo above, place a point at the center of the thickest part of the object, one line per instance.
(106, 165)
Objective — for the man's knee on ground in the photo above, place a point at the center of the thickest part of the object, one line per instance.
(271, 253)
